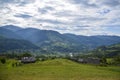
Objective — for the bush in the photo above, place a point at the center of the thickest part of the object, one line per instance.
(3, 60)
(116, 60)
(103, 60)
(103, 64)
(16, 64)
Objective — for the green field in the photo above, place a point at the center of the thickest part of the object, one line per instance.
(58, 69)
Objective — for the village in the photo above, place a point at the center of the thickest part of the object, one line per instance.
(88, 60)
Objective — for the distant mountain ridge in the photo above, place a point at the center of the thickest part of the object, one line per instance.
(53, 41)
(12, 27)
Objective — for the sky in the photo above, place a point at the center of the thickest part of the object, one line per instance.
(81, 17)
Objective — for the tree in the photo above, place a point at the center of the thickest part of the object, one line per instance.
(103, 60)
(26, 54)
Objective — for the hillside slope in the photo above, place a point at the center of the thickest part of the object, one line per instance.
(14, 44)
(8, 33)
(108, 51)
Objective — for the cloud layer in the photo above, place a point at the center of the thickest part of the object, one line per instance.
(82, 17)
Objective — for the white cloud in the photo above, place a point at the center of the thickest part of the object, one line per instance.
(82, 17)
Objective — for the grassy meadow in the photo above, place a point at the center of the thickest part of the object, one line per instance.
(58, 69)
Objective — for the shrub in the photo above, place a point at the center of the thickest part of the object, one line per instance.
(103, 60)
(16, 64)
(116, 60)
(3, 60)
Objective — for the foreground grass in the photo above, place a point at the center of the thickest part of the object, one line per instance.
(58, 69)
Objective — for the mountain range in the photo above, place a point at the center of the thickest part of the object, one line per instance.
(51, 41)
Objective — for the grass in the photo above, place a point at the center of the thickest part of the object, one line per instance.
(58, 69)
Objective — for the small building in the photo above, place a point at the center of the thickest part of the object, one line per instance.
(28, 59)
(89, 60)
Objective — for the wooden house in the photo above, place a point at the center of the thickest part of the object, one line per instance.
(28, 59)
